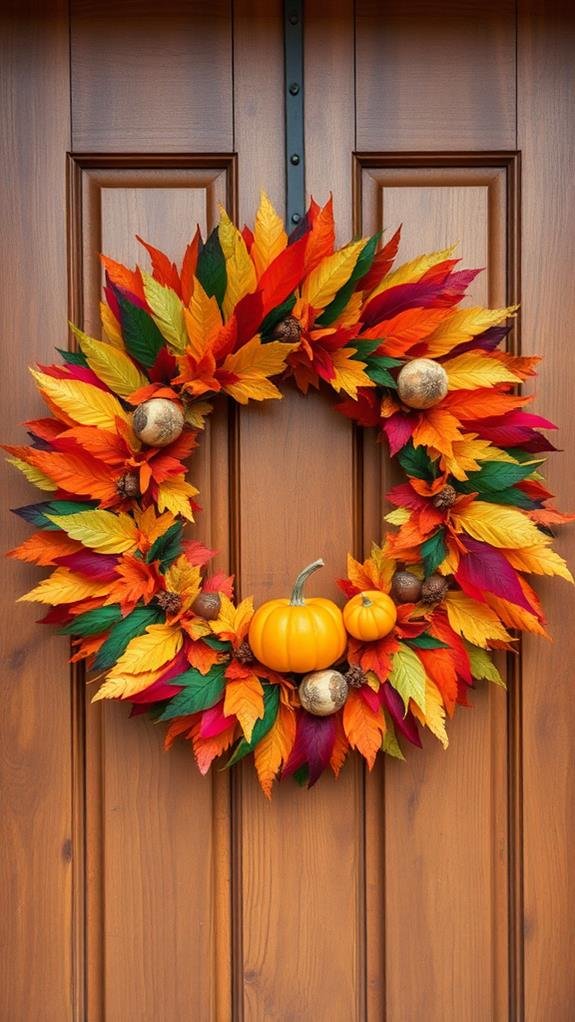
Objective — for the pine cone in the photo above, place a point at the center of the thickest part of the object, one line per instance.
(244, 653)
(170, 602)
(445, 498)
(355, 677)
(434, 589)
(128, 485)
(288, 329)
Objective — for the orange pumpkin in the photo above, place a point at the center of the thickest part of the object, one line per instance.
(370, 615)
(298, 634)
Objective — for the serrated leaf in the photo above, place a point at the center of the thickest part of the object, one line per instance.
(498, 475)
(415, 462)
(45, 515)
(92, 622)
(112, 366)
(390, 744)
(261, 727)
(33, 474)
(323, 283)
(270, 237)
(482, 666)
(253, 364)
(499, 526)
(475, 369)
(200, 692)
(168, 547)
(211, 268)
(427, 641)
(167, 312)
(362, 266)
(474, 621)
(64, 586)
(434, 551)
(142, 338)
(82, 402)
(156, 647)
(240, 271)
(105, 531)
(407, 677)
(121, 634)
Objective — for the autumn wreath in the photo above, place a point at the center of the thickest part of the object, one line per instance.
(297, 682)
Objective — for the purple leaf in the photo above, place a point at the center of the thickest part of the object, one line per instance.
(313, 745)
(394, 705)
(86, 562)
(486, 569)
(398, 429)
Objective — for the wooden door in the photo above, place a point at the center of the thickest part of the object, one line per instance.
(436, 889)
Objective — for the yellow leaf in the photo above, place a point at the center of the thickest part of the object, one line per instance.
(498, 525)
(474, 621)
(468, 453)
(123, 686)
(104, 531)
(111, 327)
(412, 271)
(33, 474)
(434, 716)
(352, 311)
(270, 238)
(175, 495)
(244, 699)
(476, 369)
(82, 402)
(240, 270)
(323, 283)
(147, 652)
(202, 319)
(399, 516)
(63, 586)
(233, 622)
(462, 325)
(275, 747)
(167, 312)
(196, 413)
(253, 363)
(184, 578)
(349, 372)
(115, 368)
(540, 560)
(482, 666)
(150, 525)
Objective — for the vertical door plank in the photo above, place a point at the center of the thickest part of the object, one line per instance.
(151, 77)
(35, 723)
(446, 813)
(154, 824)
(546, 124)
(434, 76)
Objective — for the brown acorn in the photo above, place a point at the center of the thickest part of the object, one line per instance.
(405, 587)
(434, 588)
(288, 329)
(445, 498)
(128, 485)
(207, 605)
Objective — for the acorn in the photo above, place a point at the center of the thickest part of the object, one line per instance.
(445, 498)
(207, 605)
(128, 485)
(288, 329)
(323, 692)
(158, 422)
(405, 587)
(434, 588)
(422, 383)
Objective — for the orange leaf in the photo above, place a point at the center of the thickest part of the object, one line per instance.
(437, 428)
(275, 747)
(406, 329)
(244, 699)
(363, 726)
(202, 657)
(44, 547)
(340, 747)
(206, 749)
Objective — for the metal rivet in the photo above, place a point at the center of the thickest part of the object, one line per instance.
(295, 218)
(294, 89)
(293, 18)
(294, 159)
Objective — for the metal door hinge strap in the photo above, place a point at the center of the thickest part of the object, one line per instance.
(293, 100)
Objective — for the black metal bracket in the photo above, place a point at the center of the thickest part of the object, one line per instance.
(293, 101)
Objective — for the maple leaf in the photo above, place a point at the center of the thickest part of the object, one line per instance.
(175, 495)
(232, 623)
(274, 749)
(244, 699)
(437, 428)
(136, 581)
(349, 373)
(251, 367)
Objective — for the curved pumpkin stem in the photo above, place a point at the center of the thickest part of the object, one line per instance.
(297, 599)
(365, 601)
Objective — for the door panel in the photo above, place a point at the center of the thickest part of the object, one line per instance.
(398, 894)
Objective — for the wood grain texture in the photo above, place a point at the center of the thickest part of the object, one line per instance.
(546, 123)
(150, 77)
(434, 76)
(461, 911)
(35, 760)
(157, 845)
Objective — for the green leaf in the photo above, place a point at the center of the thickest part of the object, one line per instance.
(427, 641)
(499, 475)
(141, 336)
(434, 551)
(275, 316)
(123, 632)
(166, 548)
(509, 497)
(200, 692)
(37, 514)
(214, 643)
(93, 621)
(211, 268)
(482, 665)
(416, 463)
(362, 266)
(301, 776)
(408, 677)
(261, 727)
(390, 744)
(73, 358)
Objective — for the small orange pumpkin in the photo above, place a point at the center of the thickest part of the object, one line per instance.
(297, 634)
(369, 615)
